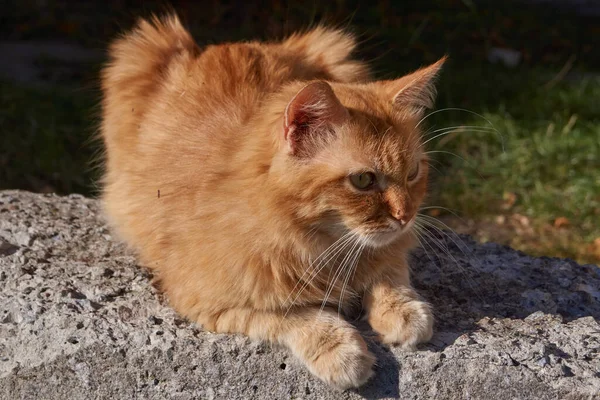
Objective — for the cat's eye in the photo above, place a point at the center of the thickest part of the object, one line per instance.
(414, 172)
(363, 181)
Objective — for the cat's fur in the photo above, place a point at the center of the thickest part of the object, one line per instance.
(227, 171)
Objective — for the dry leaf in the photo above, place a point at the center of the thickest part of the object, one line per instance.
(521, 219)
(594, 248)
(561, 222)
(509, 200)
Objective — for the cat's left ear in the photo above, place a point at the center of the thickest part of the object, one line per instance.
(309, 118)
(414, 93)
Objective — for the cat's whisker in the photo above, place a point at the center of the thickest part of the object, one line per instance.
(415, 233)
(323, 260)
(452, 154)
(470, 164)
(426, 133)
(444, 247)
(430, 135)
(428, 239)
(331, 248)
(437, 220)
(338, 273)
(352, 267)
(440, 245)
(447, 132)
(340, 245)
(459, 127)
(353, 264)
(420, 231)
(430, 221)
(312, 232)
(453, 212)
(346, 274)
(424, 241)
(453, 109)
(446, 152)
(369, 249)
(434, 167)
(466, 111)
(335, 246)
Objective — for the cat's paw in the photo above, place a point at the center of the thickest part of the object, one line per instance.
(403, 323)
(341, 358)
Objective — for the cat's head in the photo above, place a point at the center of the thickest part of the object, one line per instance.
(352, 155)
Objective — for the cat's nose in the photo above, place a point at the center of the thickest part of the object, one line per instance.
(402, 218)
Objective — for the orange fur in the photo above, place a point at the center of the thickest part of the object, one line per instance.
(227, 171)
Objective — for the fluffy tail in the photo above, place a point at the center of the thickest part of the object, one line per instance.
(137, 65)
(329, 49)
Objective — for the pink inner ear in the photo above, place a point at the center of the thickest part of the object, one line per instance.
(295, 129)
(309, 115)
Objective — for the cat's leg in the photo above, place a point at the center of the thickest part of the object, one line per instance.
(329, 346)
(397, 313)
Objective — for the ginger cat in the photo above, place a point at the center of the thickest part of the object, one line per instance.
(270, 186)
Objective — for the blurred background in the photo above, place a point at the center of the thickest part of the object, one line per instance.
(516, 147)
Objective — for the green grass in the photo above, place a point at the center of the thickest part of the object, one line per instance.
(545, 150)
(46, 138)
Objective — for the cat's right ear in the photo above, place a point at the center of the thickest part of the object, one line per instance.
(414, 93)
(309, 118)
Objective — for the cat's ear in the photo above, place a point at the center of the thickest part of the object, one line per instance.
(414, 93)
(309, 118)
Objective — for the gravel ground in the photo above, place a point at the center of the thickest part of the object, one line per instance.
(80, 320)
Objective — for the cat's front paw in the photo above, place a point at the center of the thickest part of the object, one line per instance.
(403, 323)
(340, 357)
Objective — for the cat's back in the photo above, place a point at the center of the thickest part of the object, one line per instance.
(161, 90)
(232, 69)
(176, 119)
(245, 72)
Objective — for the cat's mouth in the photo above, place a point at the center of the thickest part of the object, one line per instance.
(384, 236)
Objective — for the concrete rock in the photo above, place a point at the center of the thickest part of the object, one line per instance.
(80, 320)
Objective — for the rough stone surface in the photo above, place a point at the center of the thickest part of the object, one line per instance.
(80, 320)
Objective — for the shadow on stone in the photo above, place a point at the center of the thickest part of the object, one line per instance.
(467, 282)
(385, 383)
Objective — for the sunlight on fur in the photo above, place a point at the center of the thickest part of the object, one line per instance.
(271, 187)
